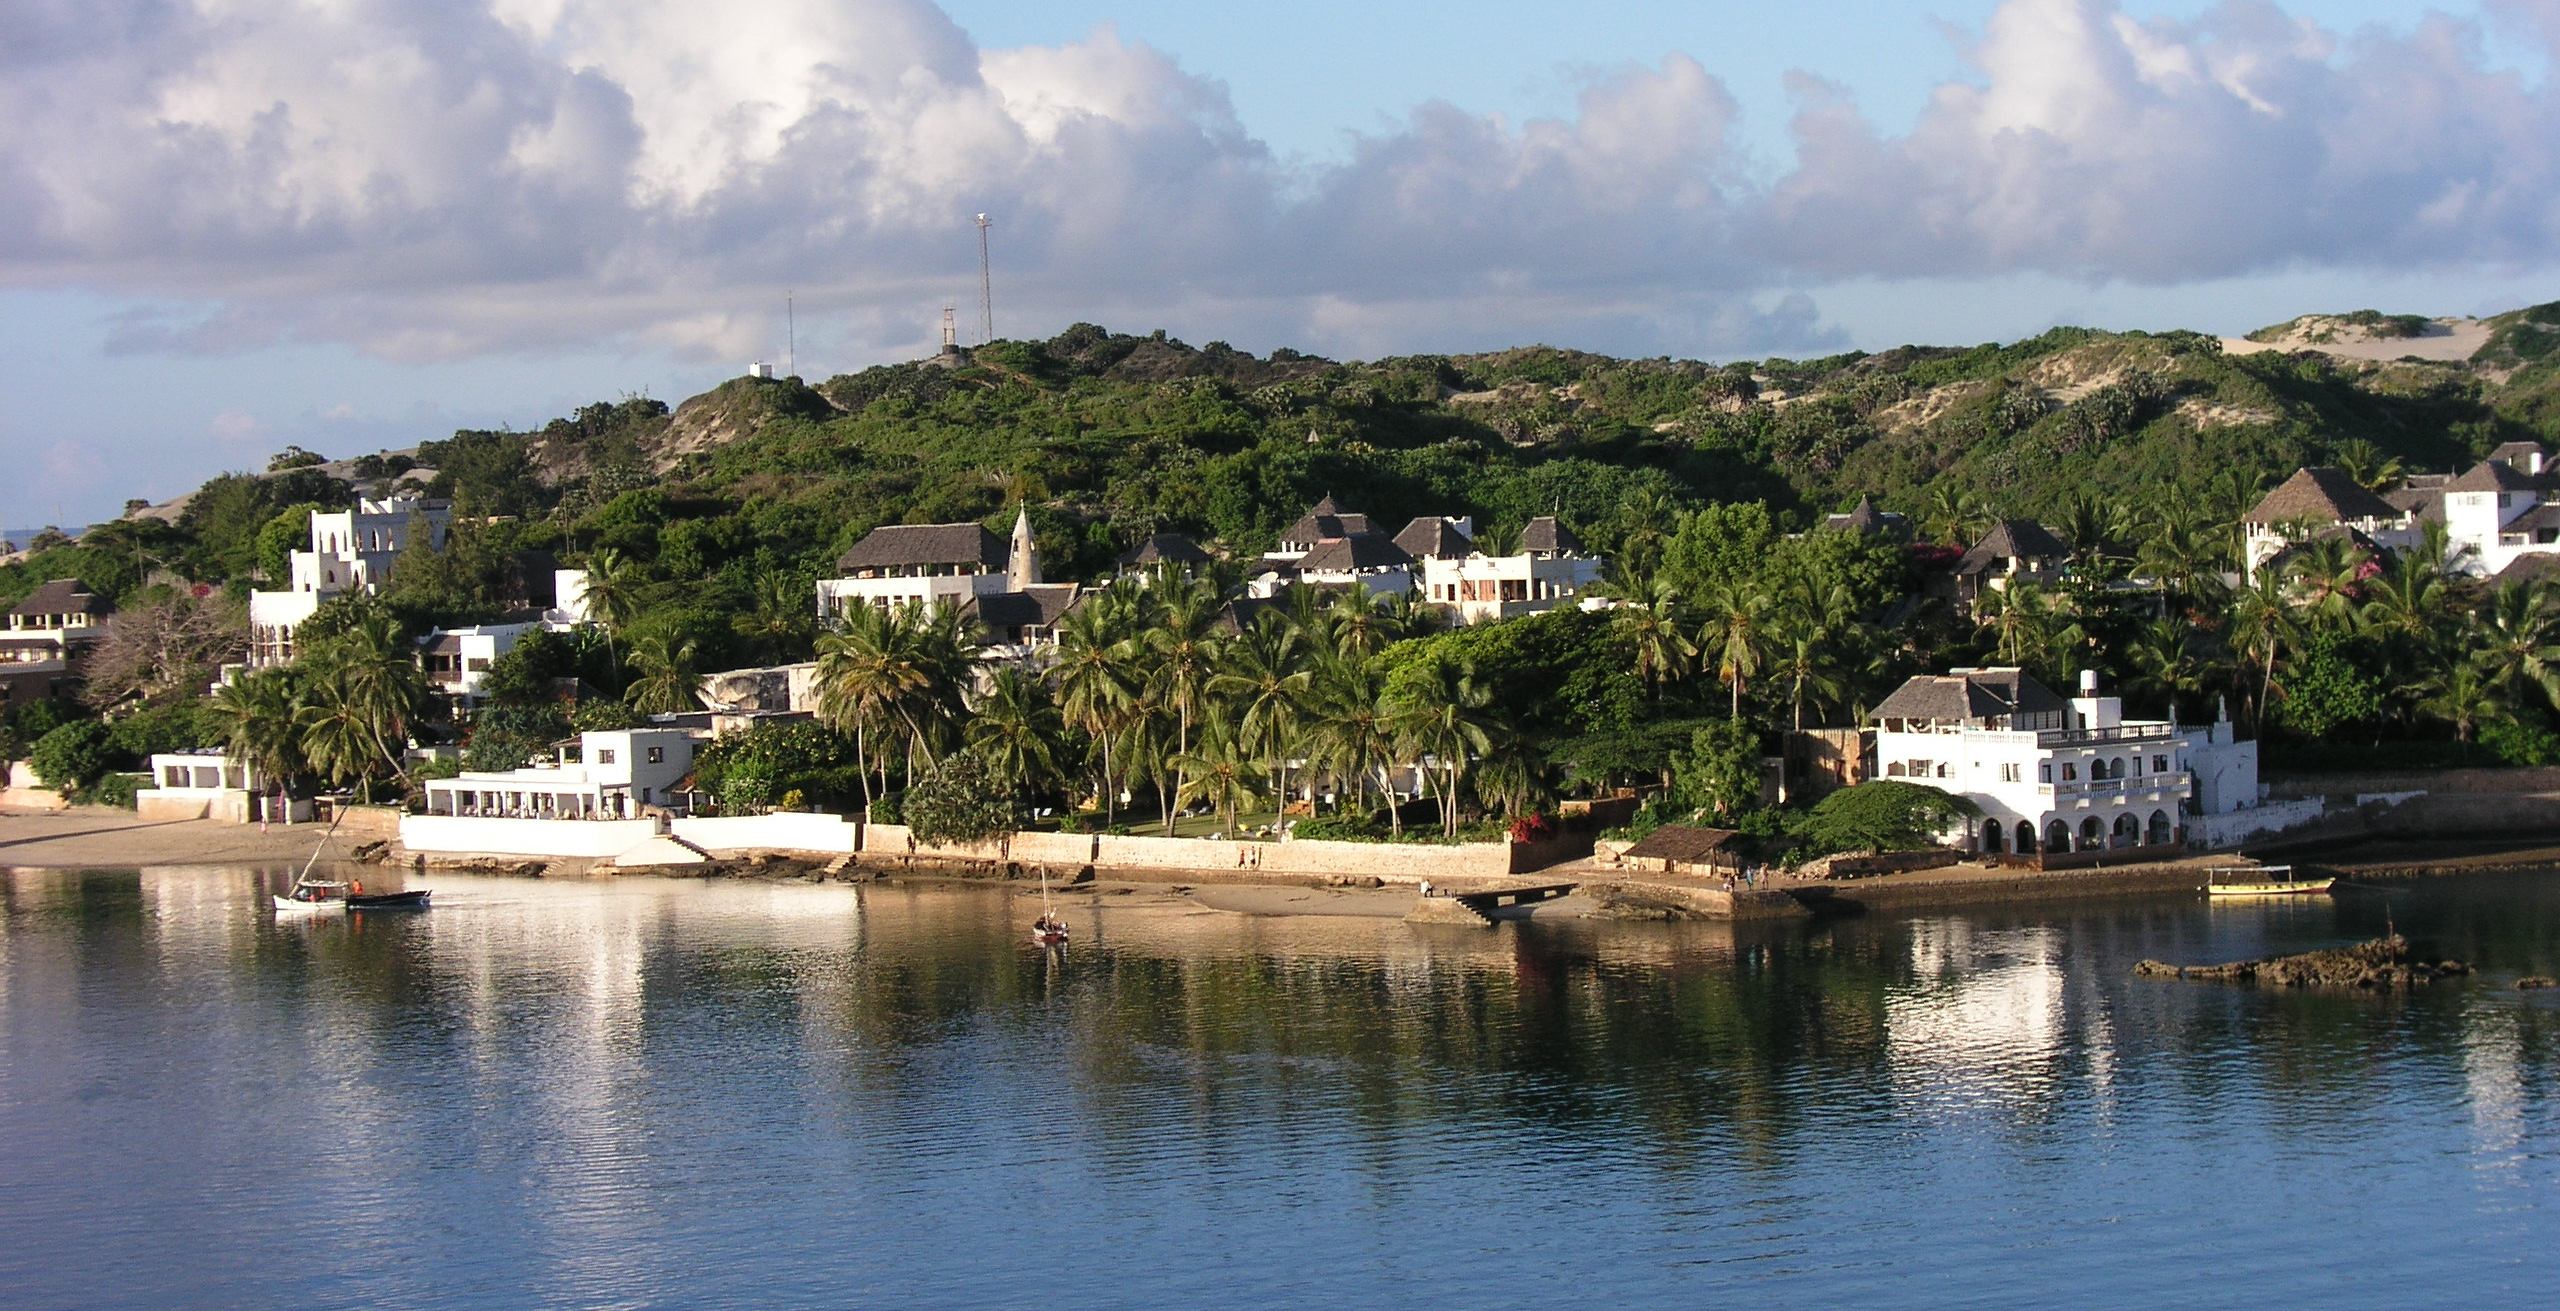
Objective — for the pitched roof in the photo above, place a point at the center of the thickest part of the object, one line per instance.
(1681, 843)
(1865, 517)
(1968, 694)
(1037, 606)
(1547, 533)
(2325, 494)
(926, 543)
(1165, 548)
(1433, 537)
(1326, 520)
(2508, 451)
(2427, 503)
(2014, 539)
(2530, 567)
(64, 596)
(1360, 550)
(2492, 476)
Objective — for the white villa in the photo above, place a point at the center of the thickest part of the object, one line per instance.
(2055, 777)
(458, 660)
(205, 784)
(1550, 569)
(351, 550)
(616, 774)
(2501, 512)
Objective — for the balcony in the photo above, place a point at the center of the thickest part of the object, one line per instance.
(2077, 737)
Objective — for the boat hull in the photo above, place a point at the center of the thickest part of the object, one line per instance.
(389, 900)
(2307, 888)
(287, 905)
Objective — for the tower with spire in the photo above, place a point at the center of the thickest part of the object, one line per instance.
(1022, 562)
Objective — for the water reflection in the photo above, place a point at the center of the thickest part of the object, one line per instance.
(658, 1090)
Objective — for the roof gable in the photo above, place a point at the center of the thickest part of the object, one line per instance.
(2013, 539)
(1361, 550)
(1548, 533)
(2325, 494)
(1433, 537)
(903, 544)
(63, 596)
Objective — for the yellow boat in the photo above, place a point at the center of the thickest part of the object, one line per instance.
(2263, 881)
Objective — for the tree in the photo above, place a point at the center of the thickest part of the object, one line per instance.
(2327, 688)
(1221, 773)
(613, 591)
(1015, 728)
(668, 679)
(1096, 683)
(1438, 712)
(73, 755)
(1656, 625)
(1718, 776)
(164, 650)
(1883, 815)
(256, 712)
(1264, 685)
(2464, 697)
(1737, 624)
(367, 677)
(960, 800)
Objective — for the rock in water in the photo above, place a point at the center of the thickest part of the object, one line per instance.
(2536, 983)
(2381, 963)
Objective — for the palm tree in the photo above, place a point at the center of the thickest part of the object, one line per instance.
(370, 672)
(1738, 615)
(2463, 695)
(338, 738)
(1221, 773)
(2164, 661)
(256, 712)
(1096, 684)
(1356, 626)
(2262, 622)
(1353, 735)
(2516, 642)
(668, 679)
(1182, 642)
(1656, 625)
(1265, 681)
(1951, 515)
(1440, 715)
(613, 594)
(1017, 730)
(852, 685)
(781, 623)
(1808, 665)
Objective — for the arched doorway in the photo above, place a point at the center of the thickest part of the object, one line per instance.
(2160, 830)
(2057, 838)
(2128, 831)
(2093, 834)
(1994, 834)
(2026, 838)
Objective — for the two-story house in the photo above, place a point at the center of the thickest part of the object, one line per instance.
(351, 551)
(616, 774)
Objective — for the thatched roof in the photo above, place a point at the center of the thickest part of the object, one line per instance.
(1681, 843)
(1165, 548)
(1038, 606)
(63, 596)
(1968, 694)
(2013, 539)
(1548, 533)
(2328, 495)
(1360, 550)
(2493, 476)
(1434, 538)
(1324, 521)
(906, 544)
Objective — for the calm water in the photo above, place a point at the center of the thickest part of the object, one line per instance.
(664, 1093)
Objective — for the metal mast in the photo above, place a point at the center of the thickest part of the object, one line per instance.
(986, 287)
(791, 343)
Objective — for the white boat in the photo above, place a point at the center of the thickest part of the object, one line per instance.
(1048, 930)
(312, 896)
(2263, 881)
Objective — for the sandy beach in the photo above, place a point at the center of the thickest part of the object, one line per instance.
(95, 837)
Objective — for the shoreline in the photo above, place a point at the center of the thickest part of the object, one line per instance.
(96, 838)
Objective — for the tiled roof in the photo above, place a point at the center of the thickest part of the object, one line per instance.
(926, 544)
(2324, 494)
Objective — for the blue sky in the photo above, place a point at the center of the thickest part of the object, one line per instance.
(357, 232)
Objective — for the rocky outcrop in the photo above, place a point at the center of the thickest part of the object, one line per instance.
(2381, 963)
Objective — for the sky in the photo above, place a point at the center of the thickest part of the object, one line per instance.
(229, 225)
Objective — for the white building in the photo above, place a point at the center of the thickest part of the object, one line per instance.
(1550, 569)
(921, 564)
(2324, 502)
(458, 660)
(2054, 777)
(351, 550)
(615, 775)
(207, 784)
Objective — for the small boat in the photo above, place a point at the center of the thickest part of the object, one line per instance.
(1048, 930)
(311, 896)
(388, 900)
(2263, 881)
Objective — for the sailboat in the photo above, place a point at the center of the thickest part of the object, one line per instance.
(311, 896)
(1048, 930)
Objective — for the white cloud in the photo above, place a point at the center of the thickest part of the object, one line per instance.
(440, 180)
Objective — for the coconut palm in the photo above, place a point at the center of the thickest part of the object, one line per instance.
(1657, 625)
(1737, 635)
(1808, 667)
(256, 713)
(1354, 736)
(613, 594)
(781, 623)
(1096, 681)
(369, 672)
(1015, 727)
(2516, 638)
(2463, 695)
(338, 739)
(1265, 681)
(668, 678)
(1182, 645)
(1439, 713)
(852, 687)
(1221, 773)
(2262, 622)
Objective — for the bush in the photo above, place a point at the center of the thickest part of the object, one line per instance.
(73, 755)
(180, 727)
(960, 801)
(1882, 815)
(1340, 828)
(2520, 744)
(885, 810)
(1532, 828)
(114, 790)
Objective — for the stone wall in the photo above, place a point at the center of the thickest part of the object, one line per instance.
(2433, 781)
(2471, 814)
(1855, 866)
(1394, 862)
(478, 836)
(779, 831)
(2219, 832)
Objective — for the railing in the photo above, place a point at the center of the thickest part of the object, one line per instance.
(2052, 737)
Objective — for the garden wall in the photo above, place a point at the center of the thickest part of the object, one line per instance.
(1392, 861)
(779, 831)
(2436, 781)
(477, 835)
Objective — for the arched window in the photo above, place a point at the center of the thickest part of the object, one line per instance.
(1992, 834)
(2026, 838)
(2070, 772)
(2057, 838)
(2093, 834)
(2161, 832)
(2128, 831)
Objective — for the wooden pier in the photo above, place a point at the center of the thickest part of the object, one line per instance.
(1478, 907)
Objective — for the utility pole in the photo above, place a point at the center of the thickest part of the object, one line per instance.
(791, 343)
(986, 287)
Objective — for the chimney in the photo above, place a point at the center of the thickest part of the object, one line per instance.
(2088, 682)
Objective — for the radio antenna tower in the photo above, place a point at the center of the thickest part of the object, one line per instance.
(986, 287)
(791, 343)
